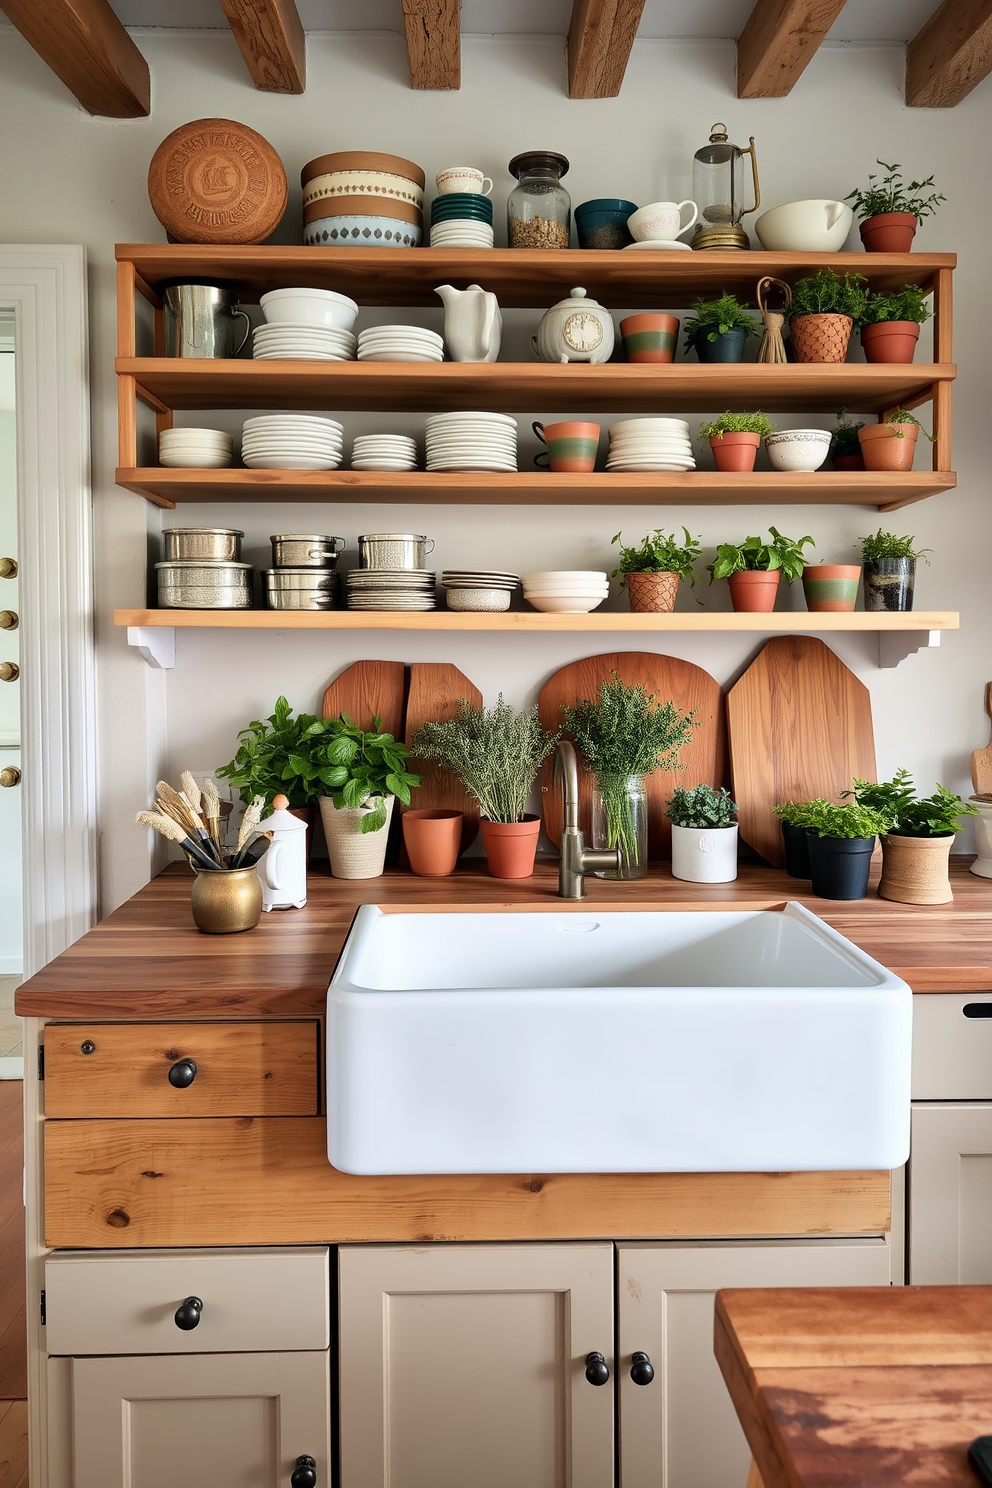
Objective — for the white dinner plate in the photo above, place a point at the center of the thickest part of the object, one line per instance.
(289, 462)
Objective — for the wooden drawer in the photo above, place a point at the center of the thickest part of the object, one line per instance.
(123, 1069)
(952, 1047)
(125, 1302)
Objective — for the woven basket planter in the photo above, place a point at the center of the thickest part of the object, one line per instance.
(354, 854)
(652, 593)
(821, 338)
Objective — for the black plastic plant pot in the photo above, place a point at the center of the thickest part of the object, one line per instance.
(889, 583)
(840, 865)
(726, 348)
(796, 851)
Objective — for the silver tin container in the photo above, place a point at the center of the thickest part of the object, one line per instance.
(222, 544)
(204, 584)
(293, 550)
(394, 550)
(299, 588)
(201, 320)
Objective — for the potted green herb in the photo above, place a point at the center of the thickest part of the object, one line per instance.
(651, 573)
(718, 329)
(704, 834)
(796, 818)
(841, 842)
(891, 445)
(824, 310)
(888, 566)
(496, 754)
(753, 568)
(274, 758)
(892, 210)
(845, 447)
(734, 439)
(892, 323)
(623, 736)
(917, 841)
(362, 773)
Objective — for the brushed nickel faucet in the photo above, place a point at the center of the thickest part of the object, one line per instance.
(576, 859)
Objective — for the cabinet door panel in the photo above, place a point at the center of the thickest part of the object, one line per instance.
(466, 1365)
(950, 1195)
(681, 1430)
(952, 1054)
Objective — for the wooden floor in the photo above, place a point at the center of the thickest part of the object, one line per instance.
(13, 1339)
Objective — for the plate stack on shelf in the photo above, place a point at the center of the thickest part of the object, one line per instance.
(566, 591)
(292, 441)
(287, 341)
(400, 343)
(471, 589)
(363, 199)
(471, 441)
(202, 449)
(650, 444)
(384, 452)
(390, 589)
(461, 219)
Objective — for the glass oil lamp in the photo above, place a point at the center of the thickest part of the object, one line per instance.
(718, 191)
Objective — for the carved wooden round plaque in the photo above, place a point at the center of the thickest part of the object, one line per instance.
(216, 181)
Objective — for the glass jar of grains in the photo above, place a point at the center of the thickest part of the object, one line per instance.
(539, 209)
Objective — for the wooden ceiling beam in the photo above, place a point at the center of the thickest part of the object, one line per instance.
(600, 36)
(950, 54)
(85, 45)
(778, 43)
(434, 43)
(270, 35)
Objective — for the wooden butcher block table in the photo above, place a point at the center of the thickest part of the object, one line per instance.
(870, 1387)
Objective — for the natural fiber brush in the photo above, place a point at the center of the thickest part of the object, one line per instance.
(176, 833)
(772, 348)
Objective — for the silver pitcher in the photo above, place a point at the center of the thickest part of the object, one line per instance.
(201, 321)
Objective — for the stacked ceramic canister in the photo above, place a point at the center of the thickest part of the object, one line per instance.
(363, 199)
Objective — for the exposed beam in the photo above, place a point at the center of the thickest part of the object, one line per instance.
(950, 54)
(270, 35)
(86, 46)
(778, 43)
(434, 43)
(600, 36)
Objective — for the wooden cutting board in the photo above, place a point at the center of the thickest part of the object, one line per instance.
(368, 688)
(800, 726)
(688, 686)
(981, 759)
(434, 691)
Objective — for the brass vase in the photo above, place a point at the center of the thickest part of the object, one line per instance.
(225, 902)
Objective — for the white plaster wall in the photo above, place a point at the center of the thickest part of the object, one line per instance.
(67, 177)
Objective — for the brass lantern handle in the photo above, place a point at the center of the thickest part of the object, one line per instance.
(754, 176)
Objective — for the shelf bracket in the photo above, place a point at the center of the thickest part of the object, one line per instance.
(895, 645)
(157, 644)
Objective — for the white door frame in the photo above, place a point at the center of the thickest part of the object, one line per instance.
(45, 286)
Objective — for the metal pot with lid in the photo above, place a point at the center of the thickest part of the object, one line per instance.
(302, 550)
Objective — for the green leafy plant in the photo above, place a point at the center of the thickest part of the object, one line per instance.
(844, 439)
(891, 194)
(495, 752)
(752, 555)
(659, 553)
(275, 757)
(907, 814)
(713, 318)
(887, 545)
(360, 768)
(829, 293)
(703, 807)
(737, 423)
(903, 416)
(846, 822)
(908, 303)
(799, 813)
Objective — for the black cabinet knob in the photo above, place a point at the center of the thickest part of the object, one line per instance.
(641, 1369)
(183, 1073)
(188, 1314)
(304, 1473)
(597, 1369)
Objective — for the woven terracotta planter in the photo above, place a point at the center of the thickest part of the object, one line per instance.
(889, 232)
(890, 341)
(884, 450)
(652, 593)
(821, 338)
(754, 592)
(914, 869)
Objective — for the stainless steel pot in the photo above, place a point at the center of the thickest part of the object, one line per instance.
(222, 544)
(200, 321)
(291, 550)
(299, 588)
(393, 550)
(204, 584)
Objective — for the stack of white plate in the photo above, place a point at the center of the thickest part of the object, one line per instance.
(206, 449)
(459, 232)
(475, 589)
(650, 444)
(292, 441)
(400, 343)
(390, 589)
(384, 452)
(566, 591)
(286, 341)
(471, 441)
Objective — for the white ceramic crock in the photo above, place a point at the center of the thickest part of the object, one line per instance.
(983, 838)
(704, 854)
(814, 226)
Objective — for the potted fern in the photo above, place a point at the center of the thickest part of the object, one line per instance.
(362, 773)
(888, 565)
(845, 447)
(651, 573)
(891, 444)
(824, 310)
(718, 329)
(917, 840)
(704, 834)
(796, 818)
(754, 568)
(892, 323)
(892, 210)
(841, 842)
(734, 439)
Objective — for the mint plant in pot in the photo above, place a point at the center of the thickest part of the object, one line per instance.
(704, 834)
(273, 758)
(652, 572)
(718, 329)
(841, 842)
(888, 566)
(891, 444)
(918, 838)
(891, 326)
(796, 818)
(891, 210)
(362, 773)
(734, 439)
(754, 568)
(824, 310)
(845, 446)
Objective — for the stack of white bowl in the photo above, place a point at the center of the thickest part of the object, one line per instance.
(566, 591)
(204, 449)
(292, 441)
(400, 343)
(391, 589)
(471, 589)
(384, 452)
(309, 307)
(471, 441)
(284, 341)
(650, 444)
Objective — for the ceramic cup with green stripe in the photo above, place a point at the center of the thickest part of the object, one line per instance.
(831, 586)
(650, 337)
(570, 446)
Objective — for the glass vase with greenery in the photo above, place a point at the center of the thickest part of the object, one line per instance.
(495, 752)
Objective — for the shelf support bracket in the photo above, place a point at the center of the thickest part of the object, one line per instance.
(157, 644)
(895, 645)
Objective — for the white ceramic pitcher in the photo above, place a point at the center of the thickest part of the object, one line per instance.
(473, 325)
(283, 867)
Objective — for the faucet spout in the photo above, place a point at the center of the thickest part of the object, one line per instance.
(576, 859)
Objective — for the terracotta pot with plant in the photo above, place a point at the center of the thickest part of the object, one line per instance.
(891, 210)
(892, 323)
(362, 774)
(704, 834)
(824, 310)
(891, 445)
(734, 439)
(841, 841)
(651, 573)
(753, 569)
(274, 758)
(888, 565)
(718, 329)
(845, 447)
(918, 837)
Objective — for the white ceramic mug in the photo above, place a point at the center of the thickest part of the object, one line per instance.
(463, 178)
(660, 221)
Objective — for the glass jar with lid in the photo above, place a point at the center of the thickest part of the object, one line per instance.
(539, 209)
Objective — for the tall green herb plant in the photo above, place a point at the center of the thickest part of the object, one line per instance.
(495, 752)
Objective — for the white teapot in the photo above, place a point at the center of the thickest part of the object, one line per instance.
(473, 325)
(283, 867)
(575, 330)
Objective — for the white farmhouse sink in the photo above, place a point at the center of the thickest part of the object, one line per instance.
(616, 1042)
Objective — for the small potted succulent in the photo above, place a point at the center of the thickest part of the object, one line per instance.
(651, 573)
(753, 568)
(845, 447)
(362, 773)
(704, 834)
(841, 842)
(891, 445)
(891, 326)
(917, 841)
(891, 210)
(796, 818)
(888, 564)
(824, 310)
(718, 329)
(734, 439)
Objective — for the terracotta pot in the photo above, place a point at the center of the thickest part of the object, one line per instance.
(914, 869)
(306, 814)
(754, 593)
(652, 593)
(354, 854)
(735, 452)
(889, 232)
(433, 841)
(890, 341)
(883, 449)
(511, 847)
(821, 338)
(831, 588)
(848, 462)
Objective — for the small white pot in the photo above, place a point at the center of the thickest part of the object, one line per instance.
(354, 854)
(983, 839)
(704, 854)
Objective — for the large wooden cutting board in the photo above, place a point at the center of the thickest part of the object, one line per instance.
(800, 726)
(367, 689)
(704, 759)
(434, 691)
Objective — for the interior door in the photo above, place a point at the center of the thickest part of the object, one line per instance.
(11, 909)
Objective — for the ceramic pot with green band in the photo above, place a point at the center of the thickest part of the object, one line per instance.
(831, 587)
(570, 447)
(650, 337)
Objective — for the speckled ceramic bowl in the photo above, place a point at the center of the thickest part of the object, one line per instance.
(798, 449)
(487, 600)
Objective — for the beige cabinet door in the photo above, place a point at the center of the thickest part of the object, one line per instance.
(950, 1194)
(237, 1419)
(463, 1366)
(681, 1430)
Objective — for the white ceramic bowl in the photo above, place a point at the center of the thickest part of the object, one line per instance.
(580, 576)
(193, 459)
(384, 184)
(798, 449)
(814, 226)
(564, 604)
(323, 307)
